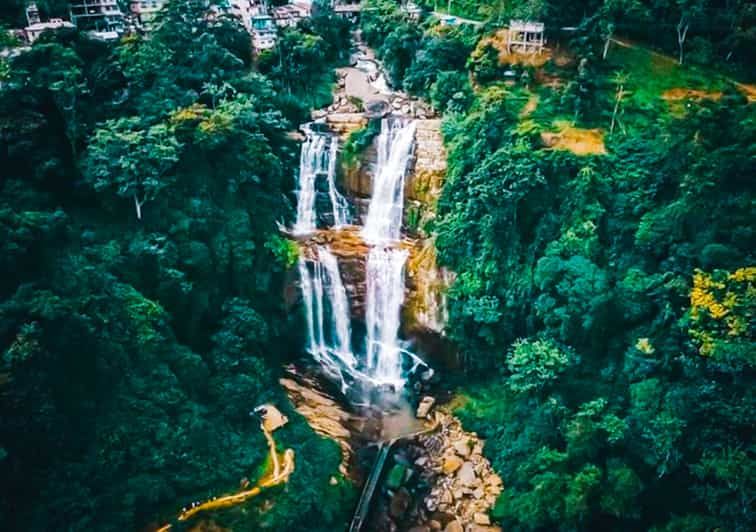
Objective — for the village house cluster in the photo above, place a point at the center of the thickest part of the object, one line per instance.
(104, 19)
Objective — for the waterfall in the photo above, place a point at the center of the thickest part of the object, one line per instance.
(385, 295)
(325, 302)
(384, 219)
(338, 202)
(385, 265)
(318, 156)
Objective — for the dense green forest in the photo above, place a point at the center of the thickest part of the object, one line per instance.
(141, 186)
(612, 294)
(598, 215)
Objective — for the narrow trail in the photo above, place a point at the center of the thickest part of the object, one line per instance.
(282, 468)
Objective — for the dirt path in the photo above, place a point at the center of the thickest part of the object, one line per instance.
(279, 475)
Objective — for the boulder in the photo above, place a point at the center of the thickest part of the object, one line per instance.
(466, 474)
(424, 408)
(481, 518)
(434, 525)
(462, 447)
(399, 504)
(454, 526)
(421, 528)
(451, 464)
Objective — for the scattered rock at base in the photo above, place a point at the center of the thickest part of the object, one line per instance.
(400, 502)
(481, 519)
(466, 475)
(424, 408)
(451, 464)
(453, 526)
(462, 447)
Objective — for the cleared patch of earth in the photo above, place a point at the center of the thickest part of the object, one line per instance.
(530, 106)
(577, 140)
(681, 93)
(499, 41)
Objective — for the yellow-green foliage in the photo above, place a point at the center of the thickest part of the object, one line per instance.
(722, 311)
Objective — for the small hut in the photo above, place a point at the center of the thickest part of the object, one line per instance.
(525, 37)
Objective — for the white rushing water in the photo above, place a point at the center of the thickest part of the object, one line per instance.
(327, 314)
(384, 219)
(338, 202)
(384, 298)
(385, 264)
(318, 157)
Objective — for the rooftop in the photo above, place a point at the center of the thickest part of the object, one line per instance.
(526, 25)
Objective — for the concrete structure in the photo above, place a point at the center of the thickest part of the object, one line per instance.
(263, 33)
(347, 8)
(288, 16)
(146, 10)
(102, 17)
(246, 11)
(32, 14)
(35, 27)
(33, 31)
(525, 36)
(304, 5)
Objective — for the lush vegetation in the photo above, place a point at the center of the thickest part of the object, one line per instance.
(611, 293)
(142, 182)
(705, 31)
(598, 213)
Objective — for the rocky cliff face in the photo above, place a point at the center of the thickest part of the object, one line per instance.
(351, 252)
(425, 309)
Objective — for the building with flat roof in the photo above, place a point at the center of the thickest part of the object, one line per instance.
(103, 17)
(264, 33)
(288, 16)
(145, 11)
(33, 31)
(35, 27)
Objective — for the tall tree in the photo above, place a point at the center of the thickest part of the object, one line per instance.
(132, 160)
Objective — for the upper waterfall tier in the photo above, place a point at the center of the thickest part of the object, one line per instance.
(318, 159)
(395, 143)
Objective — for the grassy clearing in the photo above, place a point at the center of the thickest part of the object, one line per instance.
(652, 74)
